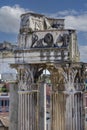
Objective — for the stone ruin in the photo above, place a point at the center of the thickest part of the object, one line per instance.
(44, 43)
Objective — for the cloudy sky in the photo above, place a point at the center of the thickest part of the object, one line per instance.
(74, 12)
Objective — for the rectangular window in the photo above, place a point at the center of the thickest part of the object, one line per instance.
(4, 105)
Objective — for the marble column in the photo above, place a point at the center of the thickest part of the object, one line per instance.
(13, 110)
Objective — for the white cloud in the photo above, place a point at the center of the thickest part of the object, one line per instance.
(77, 22)
(73, 19)
(10, 18)
(83, 53)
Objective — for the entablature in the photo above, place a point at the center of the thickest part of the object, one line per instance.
(39, 55)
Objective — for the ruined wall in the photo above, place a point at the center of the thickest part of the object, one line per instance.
(39, 31)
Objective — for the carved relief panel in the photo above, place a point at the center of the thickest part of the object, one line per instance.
(50, 39)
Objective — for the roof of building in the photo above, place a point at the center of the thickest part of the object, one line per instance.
(4, 118)
(41, 15)
(6, 46)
